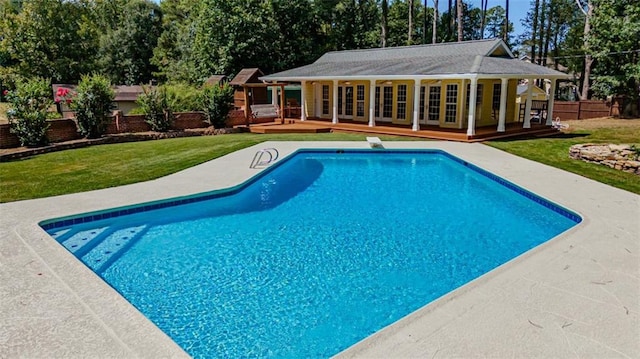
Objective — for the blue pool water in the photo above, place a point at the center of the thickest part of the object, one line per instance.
(314, 255)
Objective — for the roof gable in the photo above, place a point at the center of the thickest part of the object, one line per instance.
(245, 76)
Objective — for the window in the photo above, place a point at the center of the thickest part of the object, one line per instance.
(360, 101)
(478, 95)
(377, 109)
(387, 102)
(434, 103)
(340, 101)
(325, 99)
(497, 93)
(401, 109)
(451, 103)
(422, 92)
(348, 101)
(495, 102)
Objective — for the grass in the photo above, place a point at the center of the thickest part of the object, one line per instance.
(105, 166)
(555, 151)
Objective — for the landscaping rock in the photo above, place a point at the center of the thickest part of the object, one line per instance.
(622, 157)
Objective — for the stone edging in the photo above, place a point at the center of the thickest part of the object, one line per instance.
(621, 157)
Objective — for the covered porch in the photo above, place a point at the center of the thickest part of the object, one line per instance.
(484, 133)
(472, 108)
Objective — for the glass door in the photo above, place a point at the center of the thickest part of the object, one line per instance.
(384, 103)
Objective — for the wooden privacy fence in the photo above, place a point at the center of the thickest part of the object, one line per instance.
(580, 110)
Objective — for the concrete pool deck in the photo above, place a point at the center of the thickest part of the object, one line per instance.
(577, 295)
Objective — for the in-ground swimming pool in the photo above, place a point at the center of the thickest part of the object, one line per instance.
(314, 254)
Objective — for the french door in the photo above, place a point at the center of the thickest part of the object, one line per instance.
(384, 103)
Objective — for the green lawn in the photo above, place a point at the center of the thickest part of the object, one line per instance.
(555, 151)
(105, 166)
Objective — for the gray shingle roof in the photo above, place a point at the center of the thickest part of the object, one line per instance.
(468, 57)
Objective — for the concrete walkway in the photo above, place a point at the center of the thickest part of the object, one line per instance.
(577, 295)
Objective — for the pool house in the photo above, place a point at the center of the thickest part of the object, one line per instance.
(458, 86)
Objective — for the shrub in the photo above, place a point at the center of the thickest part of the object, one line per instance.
(92, 105)
(28, 109)
(216, 101)
(183, 98)
(154, 104)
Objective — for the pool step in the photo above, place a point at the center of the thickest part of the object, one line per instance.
(75, 241)
(106, 252)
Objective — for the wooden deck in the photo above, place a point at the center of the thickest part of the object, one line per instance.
(430, 132)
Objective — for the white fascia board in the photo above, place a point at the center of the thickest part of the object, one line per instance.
(522, 76)
(418, 77)
(378, 77)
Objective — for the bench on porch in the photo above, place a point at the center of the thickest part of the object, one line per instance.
(538, 111)
(264, 113)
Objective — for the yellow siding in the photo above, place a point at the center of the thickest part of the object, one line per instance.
(309, 104)
(512, 109)
(487, 117)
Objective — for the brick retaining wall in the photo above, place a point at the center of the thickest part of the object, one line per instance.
(65, 129)
(59, 131)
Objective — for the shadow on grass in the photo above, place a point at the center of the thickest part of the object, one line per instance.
(560, 136)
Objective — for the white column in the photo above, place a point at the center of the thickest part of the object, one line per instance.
(503, 105)
(527, 107)
(303, 101)
(552, 94)
(274, 95)
(416, 105)
(471, 123)
(335, 101)
(372, 103)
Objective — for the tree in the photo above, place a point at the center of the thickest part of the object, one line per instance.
(92, 105)
(172, 55)
(459, 13)
(384, 24)
(615, 40)
(297, 37)
(216, 102)
(587, 9)
(154, 104)
(29, 104)
(52, 39)
(507, 30)
(495, 27)
(410, 32)
(435, 22)
(127, 49)
(483, 22)
(534, 32)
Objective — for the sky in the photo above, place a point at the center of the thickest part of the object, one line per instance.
(517, 10)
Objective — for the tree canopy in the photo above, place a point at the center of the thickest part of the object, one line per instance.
(186, 41)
